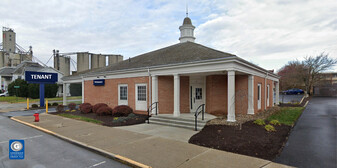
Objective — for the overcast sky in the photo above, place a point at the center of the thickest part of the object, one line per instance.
(266, 32)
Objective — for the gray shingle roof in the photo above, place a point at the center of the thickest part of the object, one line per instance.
(7, 71)
(27, 66)
(174, 54)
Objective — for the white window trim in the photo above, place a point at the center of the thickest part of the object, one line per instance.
(123, 102)
(268, 95)
(259, 98)
(138, 105)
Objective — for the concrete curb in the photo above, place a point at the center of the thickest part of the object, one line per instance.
(119, 158)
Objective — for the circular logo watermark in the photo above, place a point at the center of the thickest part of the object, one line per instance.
(16, 146)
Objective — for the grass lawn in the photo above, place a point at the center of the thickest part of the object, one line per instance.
(287, 115)
(13, 99)
(81, 118)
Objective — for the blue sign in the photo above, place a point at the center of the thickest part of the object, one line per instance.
(16, 149)
(99, 82)
(40, 77)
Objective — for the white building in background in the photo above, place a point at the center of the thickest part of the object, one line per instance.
(10, 74)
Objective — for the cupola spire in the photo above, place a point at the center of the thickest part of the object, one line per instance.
(187, 29)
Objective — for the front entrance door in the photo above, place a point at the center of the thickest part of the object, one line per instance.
(197, 92)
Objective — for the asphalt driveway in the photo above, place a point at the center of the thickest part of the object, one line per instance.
(312, 143)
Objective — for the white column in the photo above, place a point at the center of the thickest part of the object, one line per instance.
(82, 90)
(277, 93)
(154, 91)
(0, 82)
(64, 94)
(231, 96)
(176, 97)
(250, 94)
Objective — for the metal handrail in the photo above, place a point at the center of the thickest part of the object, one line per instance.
(150, 109)
(197, 113)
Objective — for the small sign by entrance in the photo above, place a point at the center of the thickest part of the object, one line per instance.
(41, 78)
(16, 87)
(99, 82)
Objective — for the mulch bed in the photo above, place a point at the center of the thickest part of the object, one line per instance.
(107, 120)
(252, 139)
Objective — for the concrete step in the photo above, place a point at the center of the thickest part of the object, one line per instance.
(180, 122)
(180, 119)
(177, 122)
(175, 125)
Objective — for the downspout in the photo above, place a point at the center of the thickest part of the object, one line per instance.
(265, 91)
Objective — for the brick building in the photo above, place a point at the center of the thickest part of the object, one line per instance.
(182, 77)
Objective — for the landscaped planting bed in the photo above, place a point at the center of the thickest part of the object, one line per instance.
(249, 138)
(102, 114)
(107, 120)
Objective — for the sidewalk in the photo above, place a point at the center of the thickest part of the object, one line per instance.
(150, 150)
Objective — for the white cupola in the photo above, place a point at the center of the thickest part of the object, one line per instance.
(187, 31)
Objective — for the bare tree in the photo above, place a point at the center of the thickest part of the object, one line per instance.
(305, 74)
(314, 66)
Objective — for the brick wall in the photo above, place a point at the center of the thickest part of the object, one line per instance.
(216, 94)
(260, 80)
(109, 93)
(184, 94)
(165, 95)
(241, 94)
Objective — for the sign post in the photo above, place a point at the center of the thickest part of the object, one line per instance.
(41, 78)
(16, 92)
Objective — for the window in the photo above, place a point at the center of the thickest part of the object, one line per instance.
(123, 92)
(198, 93)
(258, 92)
(141, 93)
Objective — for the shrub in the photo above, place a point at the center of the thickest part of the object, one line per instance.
(97, 106)
(274, 122)
(269, 128)
(119, 119)
(20, 92)
(73, 110)
(49, 104)
(122, 111)
(60, 108)
(132, 115)
(35, 106)
(259, 122)
(67, 110)
(86, 108)
(71, 106)
(105, 110)
(55, 104)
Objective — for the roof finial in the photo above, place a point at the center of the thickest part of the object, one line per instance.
(186, 9)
